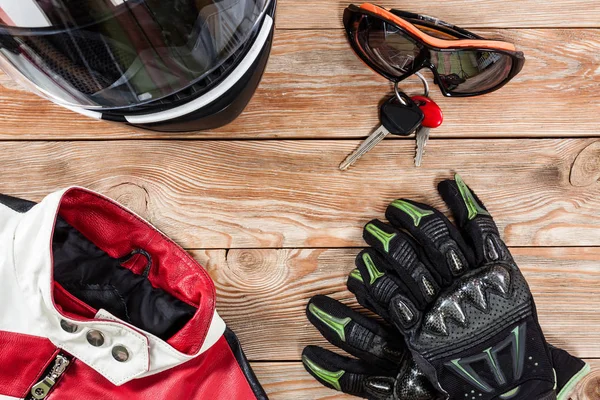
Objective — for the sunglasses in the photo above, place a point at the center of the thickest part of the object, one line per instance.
(397, 44)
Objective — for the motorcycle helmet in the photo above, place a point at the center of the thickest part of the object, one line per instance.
(168, 65)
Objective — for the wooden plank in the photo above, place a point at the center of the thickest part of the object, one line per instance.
(289, 380)
(589, 387)
(284, 381)
(325, 14)
(262, 294)
(230, 194)
(315, 87)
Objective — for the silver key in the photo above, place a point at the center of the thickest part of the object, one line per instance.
(367, 145)
(433, 118)
(396, 118)
(422, 137)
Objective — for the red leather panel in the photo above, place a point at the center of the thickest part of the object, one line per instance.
(70, 305)
(215, 375)
(118, 232)
(23, 358)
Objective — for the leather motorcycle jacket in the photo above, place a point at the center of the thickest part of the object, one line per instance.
(95, 303)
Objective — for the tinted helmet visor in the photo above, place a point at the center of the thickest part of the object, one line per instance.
(114, 54)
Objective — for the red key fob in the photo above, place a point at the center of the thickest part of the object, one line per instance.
(433, 113)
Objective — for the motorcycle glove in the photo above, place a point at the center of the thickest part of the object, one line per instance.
(385, 369)
(457, 295)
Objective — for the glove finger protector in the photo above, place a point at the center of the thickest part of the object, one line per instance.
(395, 251)
(474, 221)
(383, 370)
(440, 240)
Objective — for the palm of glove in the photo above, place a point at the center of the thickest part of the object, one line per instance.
(455, 293)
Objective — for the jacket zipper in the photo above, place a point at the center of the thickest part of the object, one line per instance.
(41, 389)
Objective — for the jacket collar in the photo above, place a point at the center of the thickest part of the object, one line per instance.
(103, 222)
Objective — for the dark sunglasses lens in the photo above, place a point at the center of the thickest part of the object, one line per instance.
(386, 46)
(471, 71)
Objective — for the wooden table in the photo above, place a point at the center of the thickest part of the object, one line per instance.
(261, 202)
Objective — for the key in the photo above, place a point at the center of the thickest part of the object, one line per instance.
(396, 118)
(433, 117)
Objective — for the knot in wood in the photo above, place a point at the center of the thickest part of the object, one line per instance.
(588, 388)
(132, 196)
(586, 167)
(257, 268)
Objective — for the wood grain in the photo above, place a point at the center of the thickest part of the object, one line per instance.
(325, 14)
(262, 294)
(240, 194)
(315, 87)
(289, 380)
(285, 381)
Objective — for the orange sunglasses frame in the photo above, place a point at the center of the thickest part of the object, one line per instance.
(433, 41)
(471, 42)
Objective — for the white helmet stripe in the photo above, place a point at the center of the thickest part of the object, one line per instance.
(24, 13)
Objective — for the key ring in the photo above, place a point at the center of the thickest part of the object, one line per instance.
(425, 88)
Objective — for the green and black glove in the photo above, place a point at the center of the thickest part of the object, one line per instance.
(466, 313)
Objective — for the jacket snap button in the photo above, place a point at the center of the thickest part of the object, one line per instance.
(120, 353)
(68, 327)
(95, 338)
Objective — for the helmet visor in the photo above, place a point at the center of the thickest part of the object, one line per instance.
(111, 54)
